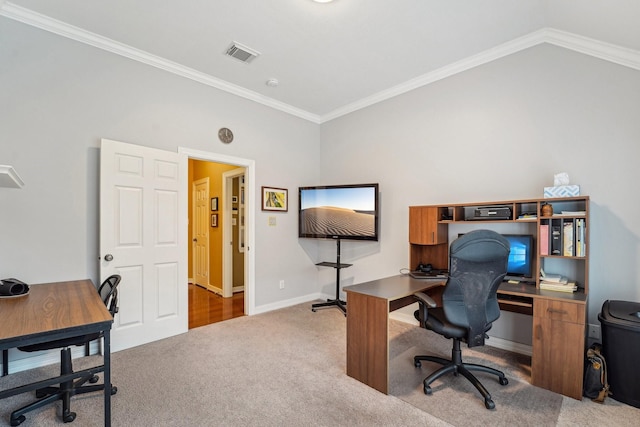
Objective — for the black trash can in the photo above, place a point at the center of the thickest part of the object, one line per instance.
(620, 322)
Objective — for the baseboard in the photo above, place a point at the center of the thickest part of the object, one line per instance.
(496, 342)
(44, 358)
(508, 345)
(288, 303)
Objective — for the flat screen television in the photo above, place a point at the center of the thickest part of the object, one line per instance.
(521, 255)
(338, 212)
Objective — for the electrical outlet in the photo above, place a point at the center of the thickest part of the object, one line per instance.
(272, 221)
(281, 284)
(594, 331)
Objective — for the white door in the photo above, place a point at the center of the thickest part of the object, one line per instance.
(143, 237)
(201, 220)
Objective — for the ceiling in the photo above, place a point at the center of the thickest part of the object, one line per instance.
(332, 58)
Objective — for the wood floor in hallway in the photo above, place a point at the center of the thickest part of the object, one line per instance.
(206, 307)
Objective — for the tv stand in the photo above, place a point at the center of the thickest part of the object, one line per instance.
(337, 302)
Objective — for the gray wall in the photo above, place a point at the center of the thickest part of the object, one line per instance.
(499, 131)
(58, 98)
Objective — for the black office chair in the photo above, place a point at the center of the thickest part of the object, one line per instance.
(109, 293)
(478, 264)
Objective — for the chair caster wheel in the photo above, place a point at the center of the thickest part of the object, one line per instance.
(488, 403)
(503, 381)
(94, 379)
(313, 309)
(114, 390)
(427, 390)
(68, 418)
(417, 364)
(18, 421)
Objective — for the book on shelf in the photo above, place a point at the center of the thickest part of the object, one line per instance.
(528, 216)
(552, 278)
(556, 237)
(580, 238)
(544, 239)
(567, 238)
(559, 287)
(572, 213)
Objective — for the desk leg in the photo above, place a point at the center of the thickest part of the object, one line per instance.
(107, 377)
(368, 340)
(5, 362)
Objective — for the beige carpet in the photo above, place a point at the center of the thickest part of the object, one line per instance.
(456, 400)
(287, 368)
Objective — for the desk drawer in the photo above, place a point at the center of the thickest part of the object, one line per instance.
(559, 310)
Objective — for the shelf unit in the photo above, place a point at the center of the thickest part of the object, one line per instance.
(558, 318)
(428, 232)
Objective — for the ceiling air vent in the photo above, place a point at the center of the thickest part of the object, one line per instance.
(242, 53)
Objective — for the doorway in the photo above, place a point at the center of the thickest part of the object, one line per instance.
(242, 173)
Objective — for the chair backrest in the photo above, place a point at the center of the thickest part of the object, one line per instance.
(477, 266)
(108, 291)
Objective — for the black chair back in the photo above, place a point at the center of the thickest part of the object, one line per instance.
(108, 291)
(478, 263)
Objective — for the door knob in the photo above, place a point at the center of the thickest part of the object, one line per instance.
(108, 257)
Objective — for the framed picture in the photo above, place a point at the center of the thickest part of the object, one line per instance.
(275, 199)
(214, 203)
(214, 220)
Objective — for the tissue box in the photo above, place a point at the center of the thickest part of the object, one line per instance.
(562, 191)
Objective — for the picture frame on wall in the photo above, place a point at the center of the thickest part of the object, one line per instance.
(275, 199)
(214, 203)
(214, 220)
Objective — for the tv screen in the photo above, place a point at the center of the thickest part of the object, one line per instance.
(338, 212)
(521, 255)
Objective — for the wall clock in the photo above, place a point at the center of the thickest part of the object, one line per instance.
(225, 135)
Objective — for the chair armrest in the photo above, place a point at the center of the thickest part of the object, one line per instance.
(425, 299)
(425, 302)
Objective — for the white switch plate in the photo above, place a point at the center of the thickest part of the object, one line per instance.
(272, 221)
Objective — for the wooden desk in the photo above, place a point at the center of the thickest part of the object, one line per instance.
(368, 324)
(558, 330)
(55, 311)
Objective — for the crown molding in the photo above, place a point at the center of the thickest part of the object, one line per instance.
(481, 58)
(609, 52)
(63, 29)
(596, 48)
(588, 46)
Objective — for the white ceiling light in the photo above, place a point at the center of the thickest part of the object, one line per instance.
(322, 1)
(272, 82)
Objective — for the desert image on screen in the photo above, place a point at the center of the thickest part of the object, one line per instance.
(338, 212)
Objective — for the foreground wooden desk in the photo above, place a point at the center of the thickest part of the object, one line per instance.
(368, 324)
(558, 322)
(55, 311)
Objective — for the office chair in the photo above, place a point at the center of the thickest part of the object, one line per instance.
(109, 294)
(478, 264)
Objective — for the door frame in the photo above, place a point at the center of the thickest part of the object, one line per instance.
(249, 178)
(227, 230)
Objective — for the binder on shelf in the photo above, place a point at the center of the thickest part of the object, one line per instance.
(580, 243)
(556, 237)
(567, 238)
(544, 239)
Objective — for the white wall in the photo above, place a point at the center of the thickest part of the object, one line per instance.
(496, 132)
(500, 132)
(59, 97)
